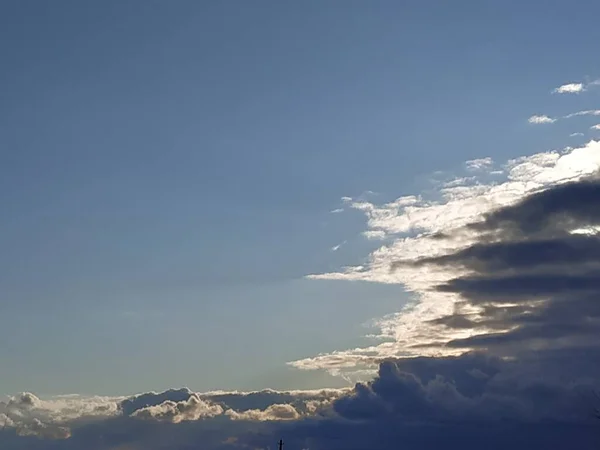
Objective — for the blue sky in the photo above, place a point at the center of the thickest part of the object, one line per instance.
(167, 171)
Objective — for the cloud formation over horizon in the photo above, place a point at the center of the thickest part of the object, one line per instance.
(498, 346)
(412, 397)
(28, 415)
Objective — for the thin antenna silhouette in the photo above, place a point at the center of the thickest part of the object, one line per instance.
(280, 444)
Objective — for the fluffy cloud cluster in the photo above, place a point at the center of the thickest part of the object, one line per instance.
(74, 417)
(273, 412)
(29, 415)
(192, 408)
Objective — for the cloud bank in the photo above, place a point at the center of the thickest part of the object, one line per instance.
(413, 398)
(58, 417)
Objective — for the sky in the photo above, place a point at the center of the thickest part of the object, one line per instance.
(346, 223)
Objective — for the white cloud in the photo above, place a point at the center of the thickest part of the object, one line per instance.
(146, 421)
(374, 234)
(575, 88)
(51, 418)
(587, 112)
(337, 211)
(569, 88)
(415, 224)
(479, 164)
(595, 127)
(335, 248)
(541, 119)
(576, 134)
(193, 408)
(273, 412)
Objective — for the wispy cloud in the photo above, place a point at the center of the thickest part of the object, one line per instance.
(576, 134)
(541, 119)
(587, 112)
(595, 127)
(335, 248)
(479, 164)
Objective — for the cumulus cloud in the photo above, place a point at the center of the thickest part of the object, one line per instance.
(148, 399)
(29, 415)
(467, 401)
(575, 87)
(595, 127)
(193, 408)
(472, 387)
(179, 405)
(569, 88)
(541, 119)
(409, 399)
(158, 420)
(305, 402)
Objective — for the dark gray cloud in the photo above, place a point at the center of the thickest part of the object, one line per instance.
(515, 255)
(551, 212)
(534, 284)
(472, 387)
